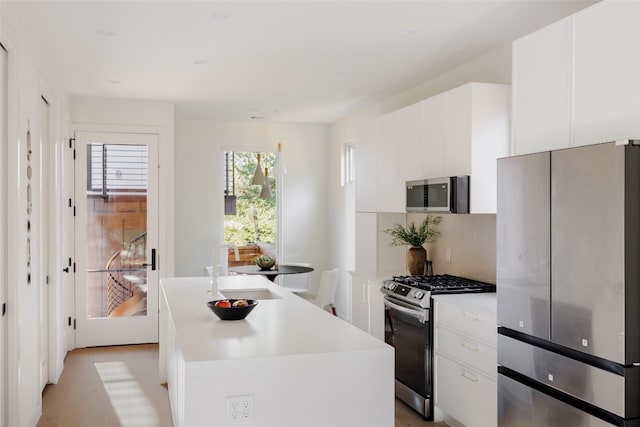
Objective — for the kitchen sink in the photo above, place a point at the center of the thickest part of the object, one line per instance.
(257, 294)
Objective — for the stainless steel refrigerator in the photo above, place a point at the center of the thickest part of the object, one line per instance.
(568, 287)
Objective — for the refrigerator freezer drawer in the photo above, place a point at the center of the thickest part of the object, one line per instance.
(593, 385)
(522, 406)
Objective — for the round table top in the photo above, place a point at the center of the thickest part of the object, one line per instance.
(275, 271)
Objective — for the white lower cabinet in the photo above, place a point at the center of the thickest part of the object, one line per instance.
(465, 394)
(466, 358)
(367, 307)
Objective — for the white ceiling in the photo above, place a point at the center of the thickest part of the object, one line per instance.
(297, 61)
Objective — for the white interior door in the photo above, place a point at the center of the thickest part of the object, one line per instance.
(116, 280)
(3, 234)
(44, 230)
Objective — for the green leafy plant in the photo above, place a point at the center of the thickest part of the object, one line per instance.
(414, 236)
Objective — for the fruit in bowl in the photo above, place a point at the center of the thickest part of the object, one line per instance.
(265, 262)
(232, 309)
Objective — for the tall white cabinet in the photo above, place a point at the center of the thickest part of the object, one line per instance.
(376, 261)
(577, 81)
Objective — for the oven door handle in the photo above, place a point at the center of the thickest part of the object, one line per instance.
(418, 314)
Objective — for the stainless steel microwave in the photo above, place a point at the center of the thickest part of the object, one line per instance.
(450, 194)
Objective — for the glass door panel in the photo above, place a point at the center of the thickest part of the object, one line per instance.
(117, 206)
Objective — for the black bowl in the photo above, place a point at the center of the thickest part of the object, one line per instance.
(232, 313)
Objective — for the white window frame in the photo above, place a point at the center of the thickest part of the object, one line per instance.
(348, 162)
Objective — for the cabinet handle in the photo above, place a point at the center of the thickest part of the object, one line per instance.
(470, 346)
(468, 376)
(471, 316)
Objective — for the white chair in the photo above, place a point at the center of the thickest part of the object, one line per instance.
(296, 283)
(325, 297)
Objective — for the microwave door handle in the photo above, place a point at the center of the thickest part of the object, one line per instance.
(418, 314)
(452, 195)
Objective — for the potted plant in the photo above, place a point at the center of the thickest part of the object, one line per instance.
(415, 237)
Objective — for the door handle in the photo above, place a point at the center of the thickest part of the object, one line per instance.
(153, 260)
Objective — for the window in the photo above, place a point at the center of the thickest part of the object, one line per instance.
(252, 219)
(348, 163)
(116, 169)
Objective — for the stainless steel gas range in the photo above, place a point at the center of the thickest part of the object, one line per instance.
(409, 329)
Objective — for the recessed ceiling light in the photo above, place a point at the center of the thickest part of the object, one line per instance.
(105, 33)
(257, 117)
(200, 62)
(115, 82)
(346, 73)
(219, 16)
(406, 33)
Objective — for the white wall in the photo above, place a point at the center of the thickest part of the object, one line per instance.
(199, 209)
(493, 67)
(28, 81)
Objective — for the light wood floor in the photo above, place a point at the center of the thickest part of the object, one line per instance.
(119, 386)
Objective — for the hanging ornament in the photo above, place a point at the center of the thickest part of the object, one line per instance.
(280, 168)
(265, 193)
(258, 176)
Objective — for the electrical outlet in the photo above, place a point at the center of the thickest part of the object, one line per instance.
(240, 409)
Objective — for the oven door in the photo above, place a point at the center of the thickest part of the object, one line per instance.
(407, 329)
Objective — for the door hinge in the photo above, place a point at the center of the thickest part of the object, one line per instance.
(74, 267)
(47, 279)
(74, 154)
(4, 308)
(74, 211)
(74, 324)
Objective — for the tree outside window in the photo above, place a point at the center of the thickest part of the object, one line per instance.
(255, 218)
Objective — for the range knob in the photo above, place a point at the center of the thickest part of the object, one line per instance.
(391, 285)
(418, 295)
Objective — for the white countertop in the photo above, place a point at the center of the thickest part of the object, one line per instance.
(484, 303)
(285, 326)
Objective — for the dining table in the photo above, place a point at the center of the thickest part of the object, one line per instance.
(273, 272)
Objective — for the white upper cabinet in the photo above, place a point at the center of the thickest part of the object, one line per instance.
(366, 169)
(542, 89)
(607, 72)
(475, 127)
(459, 132)
(489, 141)
(391, 155)
(456, 145)
(577, 82)
(411, 141)
(433, 119)
(400, 154)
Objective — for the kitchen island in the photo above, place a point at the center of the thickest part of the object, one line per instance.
(289, 363)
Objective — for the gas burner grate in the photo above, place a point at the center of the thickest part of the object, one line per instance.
(445, 283)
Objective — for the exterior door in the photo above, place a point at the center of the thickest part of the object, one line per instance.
(116, 280)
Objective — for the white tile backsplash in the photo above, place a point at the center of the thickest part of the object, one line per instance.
(472, 242)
